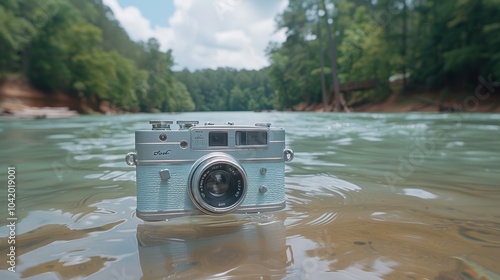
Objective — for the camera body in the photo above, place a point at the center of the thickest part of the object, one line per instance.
(211, 169)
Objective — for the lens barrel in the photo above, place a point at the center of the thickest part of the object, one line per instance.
(217, 184)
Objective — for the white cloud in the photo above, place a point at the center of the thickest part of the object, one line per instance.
(233, 39)
(131, 19)
(210, 34)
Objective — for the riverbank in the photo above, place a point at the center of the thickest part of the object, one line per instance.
(19, 99)
(420, 101)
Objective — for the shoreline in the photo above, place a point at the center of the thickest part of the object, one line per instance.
(19, 100)
(419, 101)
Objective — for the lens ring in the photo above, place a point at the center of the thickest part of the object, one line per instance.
(202, 175)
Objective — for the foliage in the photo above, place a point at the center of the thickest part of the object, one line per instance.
(79, 48)
(442, 44)
(226, 89)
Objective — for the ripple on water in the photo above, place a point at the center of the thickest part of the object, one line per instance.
(318, 188)
(419, 193)
(104, 157)
(484, 232)
(113, 175)
(314, 199)
(61, 136)
(323, 219)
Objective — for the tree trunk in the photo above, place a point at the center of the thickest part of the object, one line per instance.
(322, 63)
(25, 61)
(403, 49)
(285, 97)
(333, 60)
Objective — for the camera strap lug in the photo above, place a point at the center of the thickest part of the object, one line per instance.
(288, 155)
(131, 158)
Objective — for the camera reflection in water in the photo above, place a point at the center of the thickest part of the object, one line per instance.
(204, 246)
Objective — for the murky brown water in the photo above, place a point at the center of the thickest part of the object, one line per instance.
(381, 196)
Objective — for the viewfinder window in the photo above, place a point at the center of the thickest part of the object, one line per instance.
(217, 139)
(251, 138)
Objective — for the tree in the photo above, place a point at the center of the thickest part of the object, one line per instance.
(9, 23)
(227, 89)
(182, 99)
(237, 100)
(333, 59)
(79, 48)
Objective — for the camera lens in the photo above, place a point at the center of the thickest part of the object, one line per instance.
(217, 184)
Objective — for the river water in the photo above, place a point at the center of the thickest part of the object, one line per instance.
(369, 196)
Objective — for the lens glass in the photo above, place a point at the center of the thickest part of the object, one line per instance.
(221, 185)
(218, 182)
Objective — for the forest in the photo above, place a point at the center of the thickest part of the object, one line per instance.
(429, 45)
(226, 89)
(79, 48)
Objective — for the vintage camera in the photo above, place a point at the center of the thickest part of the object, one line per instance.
(211, 169)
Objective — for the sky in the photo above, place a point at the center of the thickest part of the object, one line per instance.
(205, 33)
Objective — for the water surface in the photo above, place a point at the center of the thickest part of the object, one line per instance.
(369, 196)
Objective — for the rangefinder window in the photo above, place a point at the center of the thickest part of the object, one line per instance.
(217, 138)
(251, 138)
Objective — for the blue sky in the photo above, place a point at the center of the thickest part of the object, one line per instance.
(158, 13)
(205, 33)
